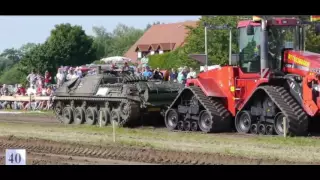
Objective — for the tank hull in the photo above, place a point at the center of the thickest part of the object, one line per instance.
(108, 98)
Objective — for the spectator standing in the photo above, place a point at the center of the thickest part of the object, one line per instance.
(15, 89)
(79, 72)
(60, 77)
(71, 75)
(32, 90)
(126, 67)
(173, 75)
(137, 72)
(47, 78)
(4, 92)
(180, 77)
(31, 78)
(192, 74)
(39, 80)
(147, 73)
(21, 90)
(157, 74)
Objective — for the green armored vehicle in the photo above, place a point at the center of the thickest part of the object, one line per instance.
(115, 95)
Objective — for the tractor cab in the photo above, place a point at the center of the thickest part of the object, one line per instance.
(278, 35)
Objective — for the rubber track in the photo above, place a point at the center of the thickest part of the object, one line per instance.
(221, 116)
(298, 119)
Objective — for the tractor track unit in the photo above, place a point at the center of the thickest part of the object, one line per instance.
(274, 81)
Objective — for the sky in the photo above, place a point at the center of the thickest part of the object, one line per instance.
(18, 30)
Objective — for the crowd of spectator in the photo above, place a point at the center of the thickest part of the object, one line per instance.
(38, 85)
(181, 75)
(67, 73)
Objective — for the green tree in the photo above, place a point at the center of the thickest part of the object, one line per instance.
(9, 57)
(36, 59)
(114, 43)
(67, 45)
(12, 76)
(312, 40)
(218, 44)
(123, 38)
(102, 42)
(12, 54)
(218, 40)
(27, 47)
(154, 23)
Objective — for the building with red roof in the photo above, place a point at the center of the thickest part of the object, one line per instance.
(159, 39)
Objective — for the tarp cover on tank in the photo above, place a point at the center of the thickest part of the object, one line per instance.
(160, 87)
(86, 86)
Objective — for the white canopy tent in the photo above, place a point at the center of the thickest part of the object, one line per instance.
(115, 59)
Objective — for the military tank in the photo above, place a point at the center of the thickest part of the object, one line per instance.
(114, 95)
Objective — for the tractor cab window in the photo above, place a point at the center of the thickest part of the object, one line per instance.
(280, 37)
(249, 56)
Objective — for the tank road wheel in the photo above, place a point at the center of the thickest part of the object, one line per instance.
(180, 126)
(171, 119)
(187, 126)
(91, 116)
(67, 115)
(58, 108)
(243, 122)
(205, 121)
(269, 130)
(105, 117)
(115, 117)
(262, 129)
(278, 123)
(79, 115)
(194, 126)
(254, 129)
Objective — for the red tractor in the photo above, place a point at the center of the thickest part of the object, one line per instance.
(275, 80)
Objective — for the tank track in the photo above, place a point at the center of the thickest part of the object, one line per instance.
(220, 115)
(59, 117)
(133, 79)
(129, 119)
(298, 119)
(132, 116)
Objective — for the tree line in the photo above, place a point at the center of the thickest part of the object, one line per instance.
(67, 45)
(70, 45)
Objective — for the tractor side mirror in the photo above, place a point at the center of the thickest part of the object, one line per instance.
(317, 29)
(250, 30)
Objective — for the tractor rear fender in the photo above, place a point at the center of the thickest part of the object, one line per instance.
(258, 93)
(209, 87)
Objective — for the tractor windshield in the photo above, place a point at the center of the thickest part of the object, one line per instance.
(281, 37)
(249, 57)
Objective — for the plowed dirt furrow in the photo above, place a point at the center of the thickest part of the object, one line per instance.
(127, 153)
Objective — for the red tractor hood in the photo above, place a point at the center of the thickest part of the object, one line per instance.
(307, 55)
(302, 62)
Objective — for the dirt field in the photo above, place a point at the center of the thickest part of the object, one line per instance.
(49, 142)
